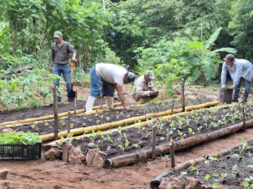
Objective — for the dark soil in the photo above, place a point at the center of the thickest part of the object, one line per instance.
(140, 138)
(82, 120)
(26, 113)
(229, 170)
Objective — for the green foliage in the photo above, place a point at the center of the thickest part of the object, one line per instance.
(19, 138)
(241, 27)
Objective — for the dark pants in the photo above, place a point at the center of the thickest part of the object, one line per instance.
(64, 70)
(237, 89)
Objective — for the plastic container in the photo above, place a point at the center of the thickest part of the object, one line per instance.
(20, 151)
(226, 95)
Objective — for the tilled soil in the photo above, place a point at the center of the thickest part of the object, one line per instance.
(182, 127)
(233, 170)
(82, 120)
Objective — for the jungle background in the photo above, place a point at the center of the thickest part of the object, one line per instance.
(174, 38)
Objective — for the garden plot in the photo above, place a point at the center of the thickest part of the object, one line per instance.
(232, 168)
(83, 120)
(134, 140)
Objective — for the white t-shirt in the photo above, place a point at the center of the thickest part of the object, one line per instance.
(111, 73)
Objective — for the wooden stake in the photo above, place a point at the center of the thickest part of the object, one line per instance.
(56, 120)
(172, 107)
(153, 142)
(68, 122)
(172, 153)
(75, 100)
(182, 94)
(243, 116)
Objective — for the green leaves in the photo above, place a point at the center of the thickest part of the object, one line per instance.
(19, 138)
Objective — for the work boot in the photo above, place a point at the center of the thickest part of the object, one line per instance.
(235, 100)
(244, 100)
(58, 99)
(109, 102)
(71, 99)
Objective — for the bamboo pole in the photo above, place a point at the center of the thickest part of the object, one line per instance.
(166, 115)
(56, 120)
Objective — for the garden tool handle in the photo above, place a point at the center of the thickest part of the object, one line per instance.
(72, 66)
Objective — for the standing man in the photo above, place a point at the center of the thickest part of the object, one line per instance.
(104, 79)
(144, 89)
(238, 69)
(61, 51)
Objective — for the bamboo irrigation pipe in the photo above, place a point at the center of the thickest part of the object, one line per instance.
(156, 182)
(80, 131)
(124, 160)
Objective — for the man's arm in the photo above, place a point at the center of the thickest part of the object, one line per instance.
(72, 50)
(119, 89)
(238, 74)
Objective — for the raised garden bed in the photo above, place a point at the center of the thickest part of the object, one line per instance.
(82, 120)
(231, 168)
(134, 140)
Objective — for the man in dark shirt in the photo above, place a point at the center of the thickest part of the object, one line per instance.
(61, 51)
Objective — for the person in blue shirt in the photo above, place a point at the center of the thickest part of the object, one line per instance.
(238, 69)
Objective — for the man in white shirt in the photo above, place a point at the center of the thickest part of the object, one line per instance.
(238, 69)
(144, 89)
(104, 79)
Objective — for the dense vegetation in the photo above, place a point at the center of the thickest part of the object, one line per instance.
(174, 38)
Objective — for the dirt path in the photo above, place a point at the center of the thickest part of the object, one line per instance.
(57, 174)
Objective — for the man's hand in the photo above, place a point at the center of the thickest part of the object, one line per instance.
(74, 59)
(223, 86)
(153, 93)
(231, 87)
(50, 69)
(127, 108)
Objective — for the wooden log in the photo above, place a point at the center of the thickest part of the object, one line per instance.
(179, 145)
(56, 120)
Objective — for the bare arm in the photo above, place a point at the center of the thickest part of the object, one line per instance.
(121, 96)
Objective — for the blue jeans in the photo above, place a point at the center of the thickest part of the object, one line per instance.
(237, 89)
(98, 87)
(64, 70)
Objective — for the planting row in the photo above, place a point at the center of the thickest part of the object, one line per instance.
(82, 120)
(233, 170)
(181, 127)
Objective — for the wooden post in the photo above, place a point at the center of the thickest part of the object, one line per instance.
(172, 153)
(56, 120)
(75, 100)
(172, 107)
(153, 142)
(182, 94)
(68, 122)
(243, 116)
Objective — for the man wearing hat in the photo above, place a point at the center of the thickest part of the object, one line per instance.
(61, 51)
(238, 69)
(104, 79)
(144, 89)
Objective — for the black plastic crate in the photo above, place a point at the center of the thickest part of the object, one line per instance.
(20, 151)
